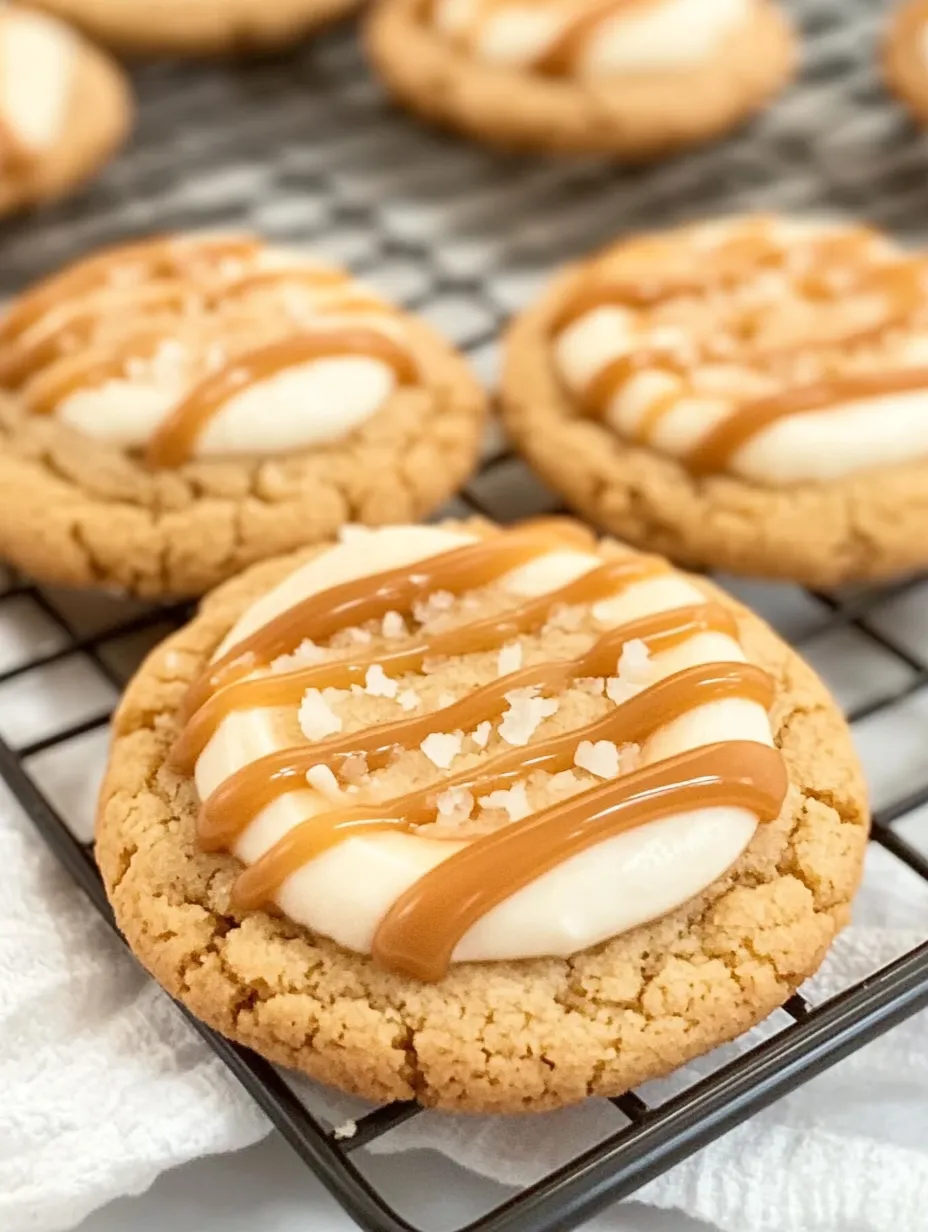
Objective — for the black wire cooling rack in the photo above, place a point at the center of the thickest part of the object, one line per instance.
(304, 150)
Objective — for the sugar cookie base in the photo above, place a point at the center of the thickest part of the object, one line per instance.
(491, 1037)
(76, 512)
(869, 526)
(634, 118)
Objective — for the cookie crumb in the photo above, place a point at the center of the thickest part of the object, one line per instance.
(347, 1129)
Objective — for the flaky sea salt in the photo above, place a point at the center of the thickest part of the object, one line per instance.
(455, 805)
(408, 699)
(510, 659)
(514, 801)
(317, 718)
(441, 748)
(524, 714)
(378, 684)
(393, 625)
(425, 610)
(620, 691)
(305, 655)
(635, 666)
(601, 758)
(324, 781)
(481, 734)
(347, 1129)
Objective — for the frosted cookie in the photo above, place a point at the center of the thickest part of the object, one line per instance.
(749, 395)
(182, 407)
(905, 56)
(198, 27)
(631, 78)
(64, 108)
(494, 820)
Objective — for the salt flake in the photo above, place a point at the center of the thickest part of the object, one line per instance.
(441, 748)
(481, 734)
(378, 684)
(601, 758)
(324, 781)
(524, 714)
(408, 699)
(316, 717)
(514, 801)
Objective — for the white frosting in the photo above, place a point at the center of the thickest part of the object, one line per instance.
(37, 61)
(306, 404)
(617, 884)
(812, 446)
(659, 36)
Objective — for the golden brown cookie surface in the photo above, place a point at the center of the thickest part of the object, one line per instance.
(744, 395)
(489, 1036)
(65, 108)
(637, 113)
(185, 407)
(198, 27)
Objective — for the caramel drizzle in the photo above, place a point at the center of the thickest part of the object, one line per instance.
(240, 797)
(321, 615)
(157, 273)
(287, 688)
(174, 440)
(419, 933)
(902, 283)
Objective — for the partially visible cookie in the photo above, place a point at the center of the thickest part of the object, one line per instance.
(198, 27)
(633, 80)
(749, 394)
(491, 820)
(65, 107)
(181, 407)
(905, 56)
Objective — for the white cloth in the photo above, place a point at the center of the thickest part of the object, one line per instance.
(103, 1085)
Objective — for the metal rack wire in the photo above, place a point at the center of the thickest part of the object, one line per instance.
(463, 237)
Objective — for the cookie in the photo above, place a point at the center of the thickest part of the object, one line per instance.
(202, 27)
(65, 108)
(630, 80)
(905, 57)
(491, 820)
(747, 395)
(182, 407)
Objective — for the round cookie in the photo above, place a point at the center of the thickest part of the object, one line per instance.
(746, 395)
(905, 56)
(65, 108)
(183, 407)
(630, 80)
(619, 820)
(198, 27)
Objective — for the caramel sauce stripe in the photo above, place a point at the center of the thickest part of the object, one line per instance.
(246, 792)
(419, 933)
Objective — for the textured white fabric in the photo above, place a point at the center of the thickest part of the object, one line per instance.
(103, 1085)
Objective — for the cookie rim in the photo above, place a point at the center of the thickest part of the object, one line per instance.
(54, 549)
(147, 717)
(728, 522)
(424, 72)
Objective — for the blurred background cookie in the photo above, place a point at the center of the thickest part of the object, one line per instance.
(905, 56)
(195, 27)
(748, 394)
(64, 108)
(189, 405)
(633, 80)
